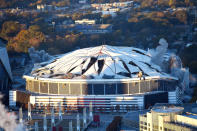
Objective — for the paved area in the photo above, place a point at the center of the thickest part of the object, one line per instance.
(105, 118)
(134, 115)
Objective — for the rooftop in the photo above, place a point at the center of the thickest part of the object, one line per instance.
(167, 109)
(86, 27)
(190, 115)
(101, 62)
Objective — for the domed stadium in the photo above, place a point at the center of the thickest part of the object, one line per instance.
(114, 74)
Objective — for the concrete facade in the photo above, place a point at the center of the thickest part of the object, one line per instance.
(168, 118)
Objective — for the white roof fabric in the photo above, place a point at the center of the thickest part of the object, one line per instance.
(101, 62)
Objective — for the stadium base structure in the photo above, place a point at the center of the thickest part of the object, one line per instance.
(99, 102)
(106, 76)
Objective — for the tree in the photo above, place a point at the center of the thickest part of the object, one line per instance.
(172, 3)
(27, 38)
(10, 28)
(147, 3)
(187, 2)
(162, 3)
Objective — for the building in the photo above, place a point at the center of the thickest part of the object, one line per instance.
(112, 8)
(85, 21)
(40, 7)
(105, 75)
(86, 29)
(82, 1)
(123, 4)
(168, 118)
(115, 4)
(5, 70)
(44, 7)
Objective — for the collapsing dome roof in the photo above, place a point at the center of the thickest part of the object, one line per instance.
(101, 62)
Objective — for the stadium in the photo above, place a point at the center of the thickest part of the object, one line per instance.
(105, 75)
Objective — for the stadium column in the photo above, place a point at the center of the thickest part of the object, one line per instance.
(92, 89)
(128, 88)
(48, 87)
(32, 84)
(139, 86)
(81, 88)
(163, 86)
(157, 85)
(69, 88)
(27, 85)
(116, 88)
(104, 88)
(58, 88)
(39, 86)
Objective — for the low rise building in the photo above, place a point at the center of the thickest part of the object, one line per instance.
(85, 21)
(114, 9)
(86, 29)
(82, 1)
(168, 118)
(115, 4)
(45, 7)
(40, 7)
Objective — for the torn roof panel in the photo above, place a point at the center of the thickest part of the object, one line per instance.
(100, 61)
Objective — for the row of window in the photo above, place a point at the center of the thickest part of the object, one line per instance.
(143, 126)
(98, 89)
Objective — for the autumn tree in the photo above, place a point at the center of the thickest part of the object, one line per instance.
(26, 39)
(172, 3)
(147, 3)
(10, 28)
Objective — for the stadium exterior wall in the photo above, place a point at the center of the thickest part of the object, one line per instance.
(138, 101)
(98, 87)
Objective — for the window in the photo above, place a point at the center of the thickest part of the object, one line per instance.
(43, 87)
(110, 88)
(75, 89)
(64, 86)
(155, 127)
